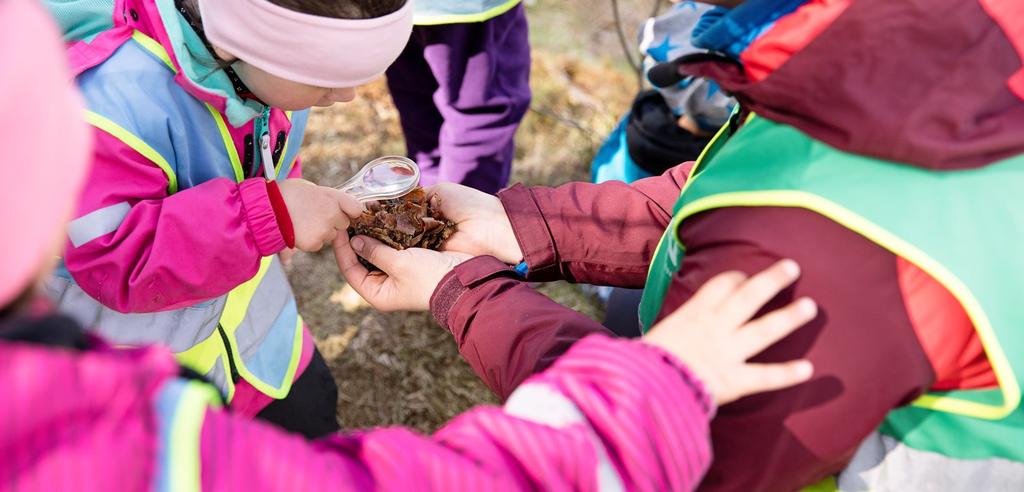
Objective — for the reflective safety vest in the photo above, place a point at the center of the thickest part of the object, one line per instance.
(433, 12)
(253, 332)
(976, 257)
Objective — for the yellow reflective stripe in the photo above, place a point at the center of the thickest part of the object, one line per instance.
(1008, 384)
(234, 312)
(289, 375)
(284, 150)
(826, 485)
(229, 143)
(239, 298)
(186, 433)
(720, 134)
(433, 20)
(674, 223)
(704, 152)
(136, 144)
(202, 357)
(673, 226)
(153, 46)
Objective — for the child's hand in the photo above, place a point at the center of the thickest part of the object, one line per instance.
(482, 227)
(286, 255)
(317, 212)
(407, 278)
(713, 336)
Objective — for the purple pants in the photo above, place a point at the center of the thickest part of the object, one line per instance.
(461, 91)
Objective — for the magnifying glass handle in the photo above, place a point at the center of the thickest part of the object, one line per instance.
(352, 187)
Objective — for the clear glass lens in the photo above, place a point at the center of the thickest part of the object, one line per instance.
(383, 178)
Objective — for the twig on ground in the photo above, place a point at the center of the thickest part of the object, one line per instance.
(563, 120)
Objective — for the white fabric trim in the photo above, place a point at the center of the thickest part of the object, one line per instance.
(542, 404)
(884, 464)
(97, 223)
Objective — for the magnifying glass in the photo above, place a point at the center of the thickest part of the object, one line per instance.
(383, 178)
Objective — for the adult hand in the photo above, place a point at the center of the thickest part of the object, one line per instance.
(714, 336)
(483, 227)
(407, 278)
(317, 212)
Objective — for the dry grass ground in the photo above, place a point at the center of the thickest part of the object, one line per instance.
(401, 368)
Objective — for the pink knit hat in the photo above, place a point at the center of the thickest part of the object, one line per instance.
(44, 143)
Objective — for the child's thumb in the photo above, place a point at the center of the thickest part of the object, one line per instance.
(348, 203)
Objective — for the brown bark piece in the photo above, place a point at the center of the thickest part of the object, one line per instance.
(412, 221)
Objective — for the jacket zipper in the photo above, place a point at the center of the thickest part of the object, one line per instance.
(235, 376)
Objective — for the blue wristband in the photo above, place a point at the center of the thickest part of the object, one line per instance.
(522, 269)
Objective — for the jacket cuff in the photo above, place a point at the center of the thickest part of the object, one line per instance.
(531, 230)
(463, 277)
(700, 392)
(259, 215)
(284, 219)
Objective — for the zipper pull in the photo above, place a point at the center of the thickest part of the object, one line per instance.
(261, 129)
(267, 157)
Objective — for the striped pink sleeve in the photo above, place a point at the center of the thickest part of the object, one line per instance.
(609, 415)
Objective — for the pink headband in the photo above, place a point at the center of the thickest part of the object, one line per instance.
(320, 51)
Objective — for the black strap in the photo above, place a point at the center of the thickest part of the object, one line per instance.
(60, 331)
(53, 331)
(240, 88)
(668, 74)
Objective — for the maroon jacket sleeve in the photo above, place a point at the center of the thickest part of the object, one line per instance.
(505, 330)
(602, 234)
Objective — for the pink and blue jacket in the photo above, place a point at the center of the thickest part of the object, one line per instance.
(176, 211)
(151, 239)
(608, 415)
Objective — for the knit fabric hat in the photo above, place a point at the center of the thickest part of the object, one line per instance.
(45, 142)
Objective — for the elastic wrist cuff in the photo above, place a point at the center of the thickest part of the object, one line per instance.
(259, 215)
(284, 219)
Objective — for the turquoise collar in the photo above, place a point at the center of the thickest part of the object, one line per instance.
(198, 65)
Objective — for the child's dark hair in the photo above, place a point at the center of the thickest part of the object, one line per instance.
(343, 9)
(18, 304)
(340, 9)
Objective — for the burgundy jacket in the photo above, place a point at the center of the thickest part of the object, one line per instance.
(606, 234)
(929, 83)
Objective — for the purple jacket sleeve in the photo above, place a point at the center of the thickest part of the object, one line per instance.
(601, 234)
(610, 414)
(137, 249)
